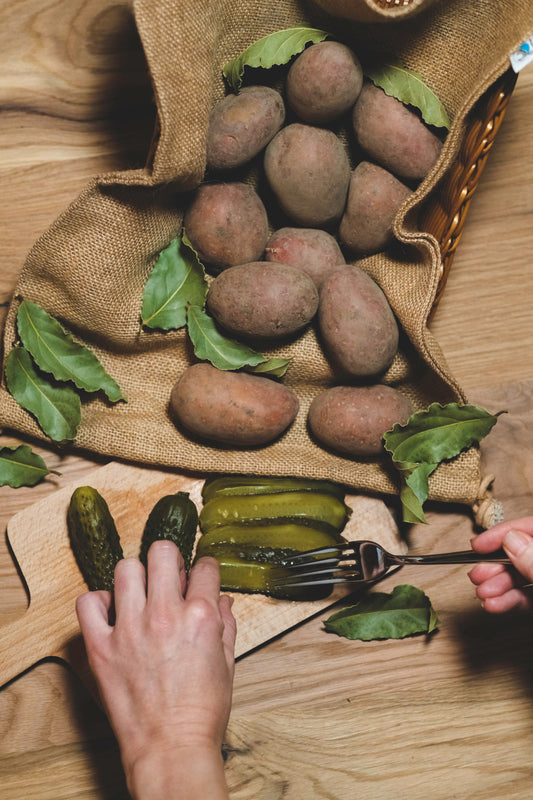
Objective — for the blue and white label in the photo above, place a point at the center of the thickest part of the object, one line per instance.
(523, 56)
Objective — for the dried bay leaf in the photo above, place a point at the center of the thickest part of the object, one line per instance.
(20, 466)
(56, 406)
(273, 50)
(408, 87)
(377, 615)
(55, 351)
(176, 280)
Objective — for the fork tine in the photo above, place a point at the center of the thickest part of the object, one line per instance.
(318, 582)
(309, 555)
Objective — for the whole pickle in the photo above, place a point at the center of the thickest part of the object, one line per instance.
(94, 537)
(174, 517)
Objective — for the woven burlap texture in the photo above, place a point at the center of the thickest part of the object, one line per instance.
(90, 267)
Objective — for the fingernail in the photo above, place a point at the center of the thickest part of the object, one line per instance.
(515, 542)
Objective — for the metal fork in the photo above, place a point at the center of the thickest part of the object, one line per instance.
(365, 562)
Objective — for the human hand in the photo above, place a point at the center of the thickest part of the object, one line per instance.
(164, 671)
(499, 586)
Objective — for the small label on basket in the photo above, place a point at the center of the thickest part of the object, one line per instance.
(523, 56)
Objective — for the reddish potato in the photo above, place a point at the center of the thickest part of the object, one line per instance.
(393, 135)
(241, 125)
(374, 198)
(357, 324)
(312, 250)
(309, 172)
(227, 224)
(262, 299)
(324, 82)
(352, 419)
(232, 408)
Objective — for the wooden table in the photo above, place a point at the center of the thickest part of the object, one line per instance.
(314, 715)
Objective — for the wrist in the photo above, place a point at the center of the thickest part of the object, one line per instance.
(191, 773)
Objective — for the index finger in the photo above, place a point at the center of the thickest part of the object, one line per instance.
(492, 538)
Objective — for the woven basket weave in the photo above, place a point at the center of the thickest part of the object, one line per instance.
(445, 212)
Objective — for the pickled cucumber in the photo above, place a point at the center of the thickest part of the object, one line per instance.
(173, 517)
(316, 510)
(254, 569)
(235, 485)
(94, 537)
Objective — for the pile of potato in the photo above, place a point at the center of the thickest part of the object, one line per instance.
(268, 286)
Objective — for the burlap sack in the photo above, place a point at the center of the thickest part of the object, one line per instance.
(90, 267)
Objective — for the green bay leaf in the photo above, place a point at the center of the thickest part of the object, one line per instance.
(377, 615)
(275, 366)
(55, 351)
(408, 87)
(273, 50)
(20, 466)
(211, 345)
(439, 433)
(176, 280)
(56, 406)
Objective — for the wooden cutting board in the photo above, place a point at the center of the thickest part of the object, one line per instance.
(38, 538)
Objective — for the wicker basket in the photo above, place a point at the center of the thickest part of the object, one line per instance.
(444, 214)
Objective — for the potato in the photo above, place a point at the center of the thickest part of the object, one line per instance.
(393, 135)
(262, 299)
(312, 250)
(308, 171)
(352, 419)
(232, 408)
(227, 224)
(241, 125)
(374, 198)
(356, 322)
(324, 82)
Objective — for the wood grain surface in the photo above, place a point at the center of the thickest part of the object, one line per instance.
(314, 715)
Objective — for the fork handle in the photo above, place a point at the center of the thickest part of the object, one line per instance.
(460, 557)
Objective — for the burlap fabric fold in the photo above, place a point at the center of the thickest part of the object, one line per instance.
(90, 267)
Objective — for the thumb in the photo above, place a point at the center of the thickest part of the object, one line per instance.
(519, 547)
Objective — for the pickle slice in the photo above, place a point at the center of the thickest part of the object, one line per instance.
(236, 485)
(293, 536)
(317, 510)
(253, 569)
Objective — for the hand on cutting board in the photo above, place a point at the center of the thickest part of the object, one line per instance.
(165, 672)
(498, 585)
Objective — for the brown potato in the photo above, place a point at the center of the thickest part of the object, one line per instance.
(357, 324)
(312, 250)
(262, 299)
(352, 419)
(227, 224)
(241, 125)
(374, 198)
(232, 408)
(324, 82)
(309, 172)
(393, 135)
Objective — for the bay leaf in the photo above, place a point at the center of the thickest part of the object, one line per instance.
(378, 615)
(409, 87)
(211, 345)
(275, 366)
(20, 466)
(429, 437)
(177, 279)
(440, 432)
(273, 50)
(56, 406)
(55, 351)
